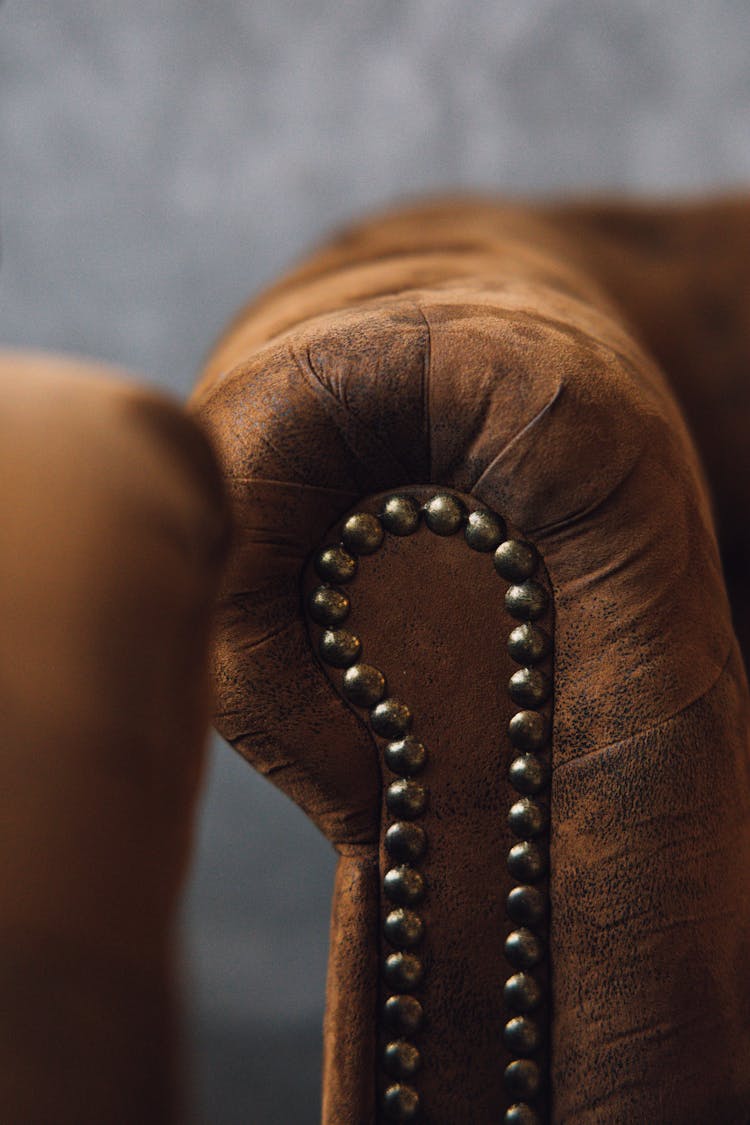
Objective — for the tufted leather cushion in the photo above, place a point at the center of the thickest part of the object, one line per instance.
(476, 347)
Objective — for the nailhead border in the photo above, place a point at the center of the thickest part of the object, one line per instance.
(516, 561)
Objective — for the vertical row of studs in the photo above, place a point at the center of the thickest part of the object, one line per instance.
(406, 800)
(403, 886)
(529, 773)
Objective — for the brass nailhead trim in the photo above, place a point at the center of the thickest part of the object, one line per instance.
(522, 1114)
(529, 775)
(339, 647)
(364, 685)
(403, 1014)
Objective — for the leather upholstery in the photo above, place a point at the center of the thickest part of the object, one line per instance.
(440, 640)
(479, 348)
(112, 536)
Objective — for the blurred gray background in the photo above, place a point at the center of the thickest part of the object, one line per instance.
(161, 159)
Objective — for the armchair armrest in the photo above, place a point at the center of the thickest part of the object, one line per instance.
(483, 372)
(112, 536)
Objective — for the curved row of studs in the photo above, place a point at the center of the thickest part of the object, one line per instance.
(406, 799)
(365, 686)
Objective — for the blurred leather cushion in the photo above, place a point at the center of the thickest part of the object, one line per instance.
(112, 535)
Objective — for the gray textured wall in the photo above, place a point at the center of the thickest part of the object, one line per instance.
(160, 159)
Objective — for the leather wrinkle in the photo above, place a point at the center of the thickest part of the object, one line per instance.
(280, 454)
(523, 432)
(338, 406)
(342, 704)
(240, 601)
(298, 485)
(570, 522)
(559, 767)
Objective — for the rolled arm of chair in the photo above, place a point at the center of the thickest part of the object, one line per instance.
(475, 625)
(112, 537)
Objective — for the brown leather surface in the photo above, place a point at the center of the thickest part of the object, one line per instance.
(678, 273)
(440, 639)
(681, 275)
(350, 1031)
(112, 529)
(474, 346)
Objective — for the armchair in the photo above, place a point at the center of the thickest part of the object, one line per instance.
(475, 624)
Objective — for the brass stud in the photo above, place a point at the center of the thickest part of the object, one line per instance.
(529, 687)
(401, 1103)
(522, 992)
(339, 647)
(363, 684)
(528, 730)
(401, 1059)
(403, 971)
(522, 1114)
(406, 799)
(522, 1035)
(528, 644)
(403, 1014)
(484, 530)
(406, 756)
(401, 515)
(405, 843)
(444, 514)
(403, 885)
(391, 718)
(522, 1078)
(328, 606)
(527, 602)
(524, 950)
(515, 561)
(528, 773)
(527, 818)
(526, 905)
(362, 533)
(526, 862)
(334, 564)
(403, 928)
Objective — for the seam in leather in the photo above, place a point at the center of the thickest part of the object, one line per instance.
(426, 388)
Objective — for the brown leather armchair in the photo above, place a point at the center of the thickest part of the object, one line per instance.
(474, 621)
(475, 624)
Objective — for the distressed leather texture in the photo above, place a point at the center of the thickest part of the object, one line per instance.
(440, 639)
(510, 353)
(112, 534)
